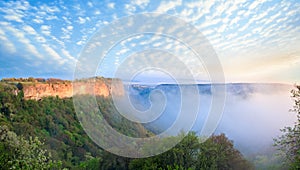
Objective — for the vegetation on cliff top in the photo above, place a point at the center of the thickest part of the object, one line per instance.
(45, 80)
(34, 80)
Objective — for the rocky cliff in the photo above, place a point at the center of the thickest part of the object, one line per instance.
(38, 90)
(65, 89)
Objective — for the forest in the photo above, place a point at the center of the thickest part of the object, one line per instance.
(46, 134)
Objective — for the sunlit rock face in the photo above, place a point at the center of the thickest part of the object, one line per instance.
(38, 90)
(65, 89)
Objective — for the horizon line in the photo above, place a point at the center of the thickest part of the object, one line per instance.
(160, 82)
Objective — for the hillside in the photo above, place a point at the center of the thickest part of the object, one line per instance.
(53, 120)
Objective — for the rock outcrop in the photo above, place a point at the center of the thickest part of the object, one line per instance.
(39, 90)
(65, 89)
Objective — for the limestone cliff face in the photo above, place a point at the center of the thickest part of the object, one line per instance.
(98, 87)
(37, 91)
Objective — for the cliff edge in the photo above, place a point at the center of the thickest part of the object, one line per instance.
(38, 88)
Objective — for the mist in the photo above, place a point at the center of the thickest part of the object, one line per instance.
(252, 117)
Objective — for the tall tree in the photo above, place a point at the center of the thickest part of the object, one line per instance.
(289, 142)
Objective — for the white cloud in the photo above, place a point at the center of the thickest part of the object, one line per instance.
(40, 39)
(233, 7)
(222, 7)
(111, 5)
(186, 12)
(281, 20)
(272, 18)
(222, 28)
(235, 20)
(90, 4)
(88, 18)
(207, 32)
(254, 5)
(61, 43)
(81, 20)
(141, 3)
(261, 18)
(129, 39)
(37, 20)
(130, 8)
(79, 10)
(257, 29)
(122, 51)
(244, 27)
(22, 39)
(241, 12)
(14, 11)
(15, 17)
(97, 12)
(31, 48)
(211, 22)
(77, 7)
(80, 42)
(166, 6)
(207, 6)
(9, 46)
(132, 44)
(41, 14)
(46, 29)
(51, 17)
(70, 27)
(231, 36)
(214, 41)
(29, 30)
(66, 20)
(49, 9)
(66, 34)
(292, 12)
(21, 5)
(53, 54)
(225, 20)
(68, 55)
(4, 23)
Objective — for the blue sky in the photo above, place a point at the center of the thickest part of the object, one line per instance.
(256, 41)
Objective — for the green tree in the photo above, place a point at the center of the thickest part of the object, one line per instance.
(289, 142)
(19, 153)
(218, 153)
(215, 153)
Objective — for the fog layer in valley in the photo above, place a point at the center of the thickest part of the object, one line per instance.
(252, 119)
(253, 113)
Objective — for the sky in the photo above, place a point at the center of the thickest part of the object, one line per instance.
(255, 41)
